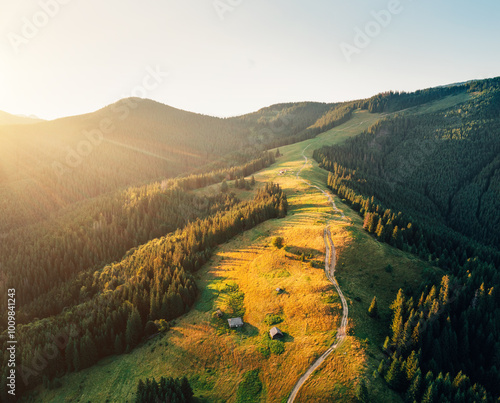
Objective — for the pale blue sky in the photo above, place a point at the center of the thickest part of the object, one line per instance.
(91, 53)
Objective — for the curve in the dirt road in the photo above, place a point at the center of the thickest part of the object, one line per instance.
(330, 259)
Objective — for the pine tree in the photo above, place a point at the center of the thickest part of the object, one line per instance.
(134, 329)
(369, 222)
(387, 344)
(118, 347)
(362, 392)
(187, 390)
(70, 355)
(381, 367)
(415, 336)
(430, 394)
(394, 374)
(397, 330)
(413, 393)
(445, 290)
(380, 230)
(412, 366)
(373, 309)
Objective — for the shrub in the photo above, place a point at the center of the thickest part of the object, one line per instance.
(277, 347)
(278, 242)
(273, 319)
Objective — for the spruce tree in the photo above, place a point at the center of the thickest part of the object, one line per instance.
(373, 309)
(362, 392)
(187, 390)
(70, 355)
(430, 394)
(381, 367)
(394, 374)
(118, 347)
(413, 393)
(134, 330)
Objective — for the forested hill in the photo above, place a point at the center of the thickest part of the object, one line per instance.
(438, 167)
(8, 119)
(131, 142)
(428, 181)
(283, 124)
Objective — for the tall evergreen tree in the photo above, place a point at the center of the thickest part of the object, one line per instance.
(373, 308)
(134, 329)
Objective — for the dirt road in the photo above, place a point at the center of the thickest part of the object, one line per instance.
(330, 260)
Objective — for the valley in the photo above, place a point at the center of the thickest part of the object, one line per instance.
(146, 277)
(309, 311)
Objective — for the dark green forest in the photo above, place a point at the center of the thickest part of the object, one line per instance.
(123, 301)
(428, 183)
(44, 262)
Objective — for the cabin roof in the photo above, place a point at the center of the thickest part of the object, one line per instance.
(235, 322)
(275, 332)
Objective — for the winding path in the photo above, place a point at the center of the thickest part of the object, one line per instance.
(330, 260)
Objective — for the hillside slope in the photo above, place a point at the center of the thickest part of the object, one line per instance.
(442, 168)
(9, 119)
(427, 181)
(131, 142)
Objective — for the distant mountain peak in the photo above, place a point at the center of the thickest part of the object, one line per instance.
(10, 119)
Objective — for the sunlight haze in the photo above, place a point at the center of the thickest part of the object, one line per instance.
(235, 59)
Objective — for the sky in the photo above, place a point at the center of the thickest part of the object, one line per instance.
(229, 57)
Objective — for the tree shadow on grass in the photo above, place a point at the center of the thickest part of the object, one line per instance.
(247, 330)
(308, 253)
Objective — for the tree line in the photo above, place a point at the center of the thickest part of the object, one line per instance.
(166, 390)
(151, 283)
(44, 262)
(196, 181)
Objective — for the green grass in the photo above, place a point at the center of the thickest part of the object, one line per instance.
(278, 273)
(273, 319)
(250, 388)
(441, 104)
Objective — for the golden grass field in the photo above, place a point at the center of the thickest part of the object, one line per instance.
(215, 359)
